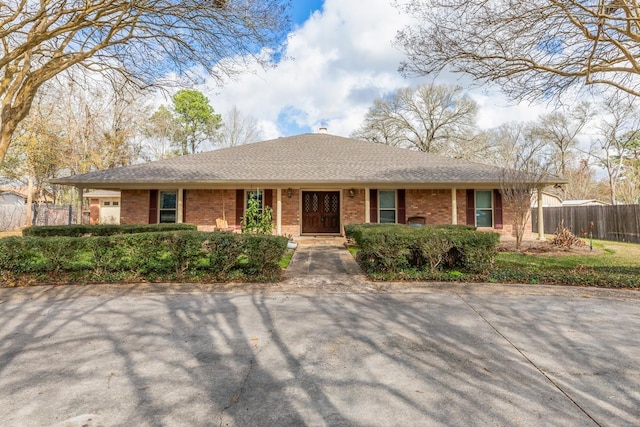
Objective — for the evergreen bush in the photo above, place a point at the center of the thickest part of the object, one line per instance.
(154, 256)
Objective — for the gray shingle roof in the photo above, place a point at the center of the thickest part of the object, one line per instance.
(301, 159)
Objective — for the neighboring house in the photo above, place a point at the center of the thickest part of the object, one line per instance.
(585, 202)
(16, 193)
(315, 184)
(548, 200)
(12, 197)
(104, 206)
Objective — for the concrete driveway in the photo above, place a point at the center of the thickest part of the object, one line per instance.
(433, 355)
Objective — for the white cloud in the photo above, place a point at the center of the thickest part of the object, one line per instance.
(341, 59)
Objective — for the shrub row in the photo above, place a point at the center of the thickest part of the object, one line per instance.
(405, 249)
(159, 256)
(101, 229)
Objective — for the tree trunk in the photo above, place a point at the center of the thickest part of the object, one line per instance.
(5, 139)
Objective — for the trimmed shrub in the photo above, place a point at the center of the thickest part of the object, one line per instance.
(394, 248)
(184, 255)
(264, 253)
(101, 229)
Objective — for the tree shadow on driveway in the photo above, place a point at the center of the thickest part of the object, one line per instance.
(338, 359)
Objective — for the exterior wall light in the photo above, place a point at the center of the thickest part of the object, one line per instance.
(289, 192)
(352, 192)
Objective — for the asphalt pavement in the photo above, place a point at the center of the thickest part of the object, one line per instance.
(438, 355)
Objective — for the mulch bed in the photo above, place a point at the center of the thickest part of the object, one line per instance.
(546, 248)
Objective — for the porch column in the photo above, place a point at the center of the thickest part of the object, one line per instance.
(279, 211)
(540, 216)
(367, 205)
(179, 207)
(79, 205)
(454, 206)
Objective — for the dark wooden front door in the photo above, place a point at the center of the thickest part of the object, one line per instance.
(321, 212)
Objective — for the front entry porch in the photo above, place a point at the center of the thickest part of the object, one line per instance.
(321, 212)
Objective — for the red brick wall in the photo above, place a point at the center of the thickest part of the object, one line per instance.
(507, 219)
(204, 206)
(290, 212)
(353, 211)
(134, 207)
(434, 205)
(94, 211)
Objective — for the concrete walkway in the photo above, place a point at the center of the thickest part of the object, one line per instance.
(323, 265)
(323, 260)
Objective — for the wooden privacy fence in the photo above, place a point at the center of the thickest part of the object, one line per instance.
(13, 217)
(619, 222)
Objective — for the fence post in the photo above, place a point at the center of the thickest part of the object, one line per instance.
(540, 216)
(79, 205)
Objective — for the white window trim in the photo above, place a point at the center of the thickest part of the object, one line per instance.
(395, 209)
(476, 209)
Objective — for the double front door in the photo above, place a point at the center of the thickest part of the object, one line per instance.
(320, 212)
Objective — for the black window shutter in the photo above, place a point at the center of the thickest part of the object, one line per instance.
(373, 205)
(239, 206)
(471, 207)
(497, 210)
(402, 211)
(153, 206)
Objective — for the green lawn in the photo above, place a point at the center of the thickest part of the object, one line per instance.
(286, 259)
(611, 264)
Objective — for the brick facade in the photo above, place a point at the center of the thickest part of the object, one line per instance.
(94, 211)
(204, 206)
(353, 211)
(433, 205)
(290, 212)
(134, 207)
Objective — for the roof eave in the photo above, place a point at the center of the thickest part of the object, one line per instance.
(146, 185)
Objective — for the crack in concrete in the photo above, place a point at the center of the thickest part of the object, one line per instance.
(235, 398)
(531, 362)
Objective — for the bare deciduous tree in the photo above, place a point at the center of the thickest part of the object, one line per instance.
(238, 129)
(618, 133)
(517, 186)
(532, 48)
(430, 118)
(581, 183)
(560, 131)
(512, 146)
(141, 40)
(524, 161)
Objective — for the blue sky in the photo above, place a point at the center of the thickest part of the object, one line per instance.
(302, 9)
(339, 58)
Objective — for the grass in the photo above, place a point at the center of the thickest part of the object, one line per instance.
(353, 250)
(286, 259)
(10, 234)
(611, 264)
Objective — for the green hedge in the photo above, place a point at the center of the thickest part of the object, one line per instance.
(101, 229)
(397, 250)
(159, 256)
